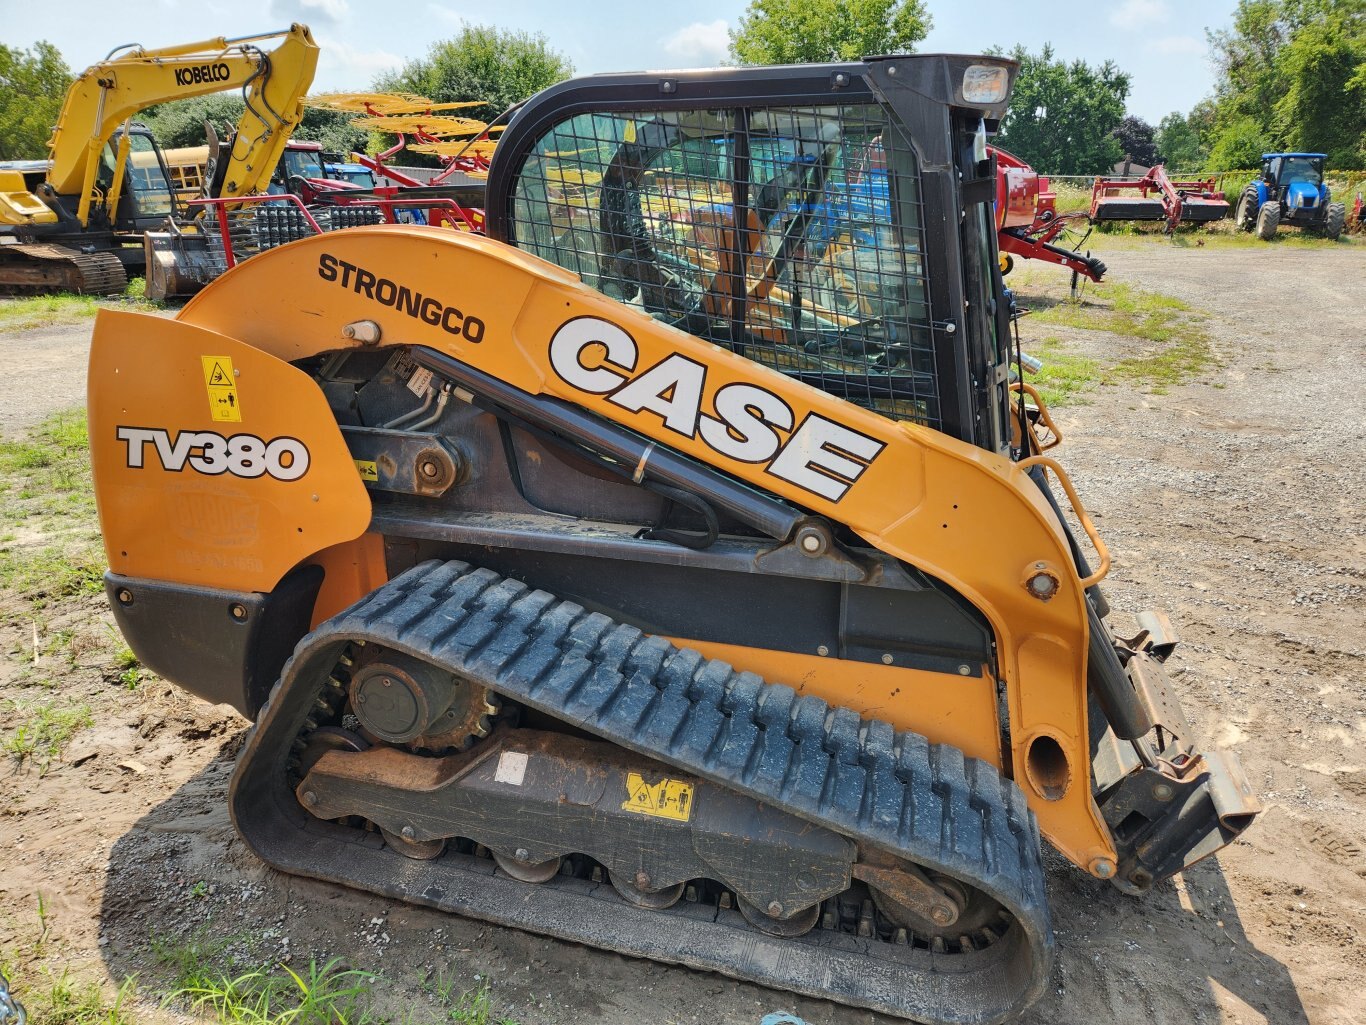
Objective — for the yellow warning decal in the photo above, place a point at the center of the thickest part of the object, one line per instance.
(368, 470)
(220, 381)
(667, 799)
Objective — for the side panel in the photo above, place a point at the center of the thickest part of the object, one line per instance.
(215, 464)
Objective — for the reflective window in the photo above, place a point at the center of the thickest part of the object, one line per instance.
(144, 181)
(819, 206)
(1302, 169)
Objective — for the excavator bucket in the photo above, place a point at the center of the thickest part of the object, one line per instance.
(675, 568)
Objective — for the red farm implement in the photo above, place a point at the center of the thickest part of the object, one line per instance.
(1028, 222)
(1157, 197)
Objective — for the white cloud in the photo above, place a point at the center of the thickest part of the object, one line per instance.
(702, 41)
(443, 13)
(310, 12)
(353, 67)
(1136, 14)
(1180, 45)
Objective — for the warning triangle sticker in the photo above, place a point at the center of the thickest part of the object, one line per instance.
(219, 376)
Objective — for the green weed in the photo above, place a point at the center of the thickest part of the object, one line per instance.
(462, 1006)
(326, 995)
(45, 731)
(65, 1001)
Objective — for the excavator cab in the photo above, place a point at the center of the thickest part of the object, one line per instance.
(145, 198)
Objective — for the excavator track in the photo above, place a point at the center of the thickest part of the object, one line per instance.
(39, 268)
(888, 791)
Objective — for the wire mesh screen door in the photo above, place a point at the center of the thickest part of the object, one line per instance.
(791, 235)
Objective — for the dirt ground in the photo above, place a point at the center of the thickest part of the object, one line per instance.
(1236, 502)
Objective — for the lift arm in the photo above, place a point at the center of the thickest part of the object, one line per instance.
(108, 94)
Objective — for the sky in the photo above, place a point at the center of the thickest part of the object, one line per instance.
(1161, 45)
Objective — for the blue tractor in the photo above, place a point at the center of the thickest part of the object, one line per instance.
(1290, 190)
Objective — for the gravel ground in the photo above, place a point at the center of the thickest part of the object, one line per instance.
(45, 371)
(1234, 502)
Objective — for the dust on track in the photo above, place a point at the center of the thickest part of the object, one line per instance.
(1235, 502)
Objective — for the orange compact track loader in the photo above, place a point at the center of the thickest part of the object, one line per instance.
(686, 533)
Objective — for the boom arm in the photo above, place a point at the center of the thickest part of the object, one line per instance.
(108, 94)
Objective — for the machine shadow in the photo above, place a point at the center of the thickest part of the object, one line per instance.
(180, 879)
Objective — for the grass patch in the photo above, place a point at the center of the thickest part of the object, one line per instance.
(65, 1001)
(47, 504)
(45, 310)
(1177, 346)
(1065, 375)
(35, 311)
(45, 575)
(326, 995)
(463, 1007)
(44, 731)
(49, 470)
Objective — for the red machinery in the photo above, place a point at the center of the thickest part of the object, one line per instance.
(1027, 219)
(1159, 199)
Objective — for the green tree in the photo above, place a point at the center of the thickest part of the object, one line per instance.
(33, 85)
(1239, 144)
(1323, 108)
(181, 123)
(1062, 117)
(1292, 73)
(1183, 140)
(812, 31)
(495, 66)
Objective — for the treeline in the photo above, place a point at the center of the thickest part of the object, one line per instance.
(1291, 76)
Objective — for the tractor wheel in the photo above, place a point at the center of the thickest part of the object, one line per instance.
(1334, 221)
(1245, 217)
(1268, 220)
(1007, 264)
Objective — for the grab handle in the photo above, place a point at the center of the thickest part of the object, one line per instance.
(1080, 510)
(1042, 406)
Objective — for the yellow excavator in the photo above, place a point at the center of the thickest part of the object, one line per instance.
(76, 221)
(679, 568)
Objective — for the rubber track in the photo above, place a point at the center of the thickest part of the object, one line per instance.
(924, 802)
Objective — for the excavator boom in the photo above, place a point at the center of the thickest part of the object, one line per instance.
(108, 94)
(64, 229)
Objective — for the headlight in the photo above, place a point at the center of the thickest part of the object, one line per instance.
(985, 83)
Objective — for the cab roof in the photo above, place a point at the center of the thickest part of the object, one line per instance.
(1270, 156)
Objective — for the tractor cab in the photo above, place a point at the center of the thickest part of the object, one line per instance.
(1295, 178)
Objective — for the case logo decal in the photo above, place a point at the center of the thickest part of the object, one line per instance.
(741, 421)
(209, 453)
